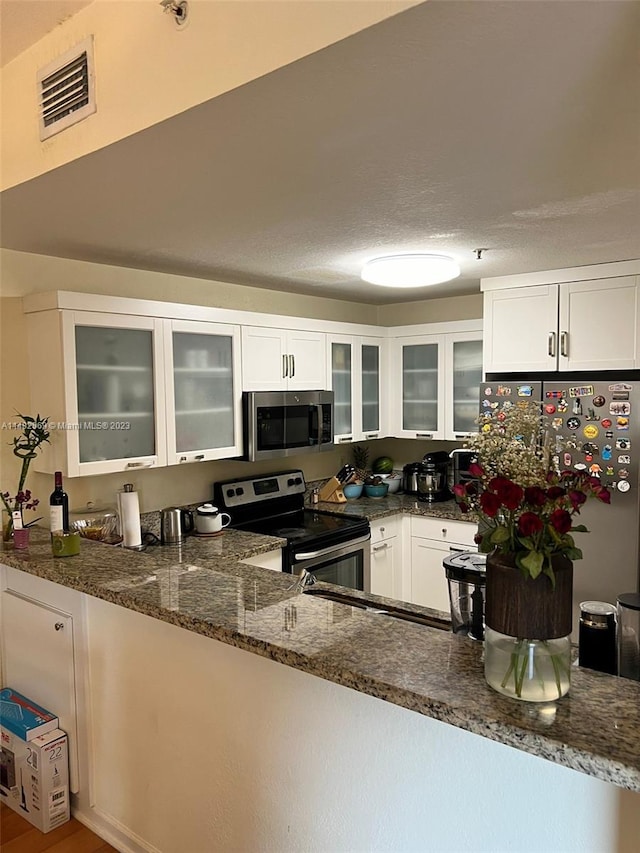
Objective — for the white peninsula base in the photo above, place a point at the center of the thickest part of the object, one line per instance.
(199, 746)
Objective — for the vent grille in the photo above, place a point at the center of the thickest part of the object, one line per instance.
(66, 90)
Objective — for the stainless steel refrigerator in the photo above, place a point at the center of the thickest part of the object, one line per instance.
(593, 426)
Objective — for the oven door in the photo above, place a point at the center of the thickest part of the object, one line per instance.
(347, 564)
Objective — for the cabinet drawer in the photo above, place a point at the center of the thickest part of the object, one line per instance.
(445, 530)
(385, 528)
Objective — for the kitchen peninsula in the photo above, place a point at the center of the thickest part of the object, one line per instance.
(197, 745)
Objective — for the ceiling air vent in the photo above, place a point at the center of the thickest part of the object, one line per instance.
(66, 89)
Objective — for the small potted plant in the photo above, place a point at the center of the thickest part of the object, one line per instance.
(25, 447)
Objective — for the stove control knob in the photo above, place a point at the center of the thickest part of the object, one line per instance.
(230, 493)
(239, 491)
(298, 480)
(291, 482)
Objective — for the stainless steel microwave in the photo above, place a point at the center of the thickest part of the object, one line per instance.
(286, 423)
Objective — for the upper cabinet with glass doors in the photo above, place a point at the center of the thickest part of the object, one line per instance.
(464, 375)
(434, 384)
(126, 393)
(103, 388)
(203, 391)
(355, 371)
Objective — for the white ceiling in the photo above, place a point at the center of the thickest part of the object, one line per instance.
(24, 22)
(512, 126)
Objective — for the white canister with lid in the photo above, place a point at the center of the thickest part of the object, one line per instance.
(209, 519)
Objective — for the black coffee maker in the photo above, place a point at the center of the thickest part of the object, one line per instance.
(433, 477)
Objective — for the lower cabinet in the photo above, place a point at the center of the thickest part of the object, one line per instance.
(386, 557)
(432, 539)
(38, 652)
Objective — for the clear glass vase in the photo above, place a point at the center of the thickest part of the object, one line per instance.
(531, 670)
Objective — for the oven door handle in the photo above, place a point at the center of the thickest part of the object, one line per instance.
(311, 555)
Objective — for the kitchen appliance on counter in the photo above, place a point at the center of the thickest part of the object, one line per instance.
(334, 548)
(410, 478)
(593, 424)
(461, 459)
(466, 573)
(629, 635)
(433, 477)
(286, 423)
(175, 523)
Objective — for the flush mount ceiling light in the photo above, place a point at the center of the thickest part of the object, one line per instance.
(410, 270)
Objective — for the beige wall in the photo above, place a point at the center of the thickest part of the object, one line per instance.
(22, 274)
(147, 70)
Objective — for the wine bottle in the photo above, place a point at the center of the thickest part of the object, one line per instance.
(59, 506)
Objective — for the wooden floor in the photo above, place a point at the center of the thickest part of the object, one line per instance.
(18, 836)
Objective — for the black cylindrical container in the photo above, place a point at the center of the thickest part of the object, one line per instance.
(597, 647)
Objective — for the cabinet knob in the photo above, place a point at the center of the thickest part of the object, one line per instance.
(59, 626)
(444, 531)
(382, 529)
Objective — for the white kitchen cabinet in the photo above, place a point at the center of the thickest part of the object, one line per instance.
(355, 376)
(38, 651)
(571, 325)
(283, 359)
(432, 539)
(434, 384)
(463, 375)
(124, 393)
(386, 557)
(203, 392)
(103, 388)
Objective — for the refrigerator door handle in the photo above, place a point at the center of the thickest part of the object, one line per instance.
(551, 344)
(564, 344)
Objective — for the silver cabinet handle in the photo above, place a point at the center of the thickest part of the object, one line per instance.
(285, 362)
(564, 344)
(345, 439)
(382, 547)
(140, 464)
(424, 435)
(371, 434)
(292, 365)
(59, 626)
(551, 344)
(197, 458)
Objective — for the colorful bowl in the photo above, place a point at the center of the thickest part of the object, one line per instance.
(379, 491)
(352, 491)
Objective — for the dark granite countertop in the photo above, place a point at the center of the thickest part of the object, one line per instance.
(204, 587)
(398, 504)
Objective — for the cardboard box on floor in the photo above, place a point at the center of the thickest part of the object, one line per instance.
(34, 777)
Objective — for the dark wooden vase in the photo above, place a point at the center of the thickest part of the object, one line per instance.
(519, 606)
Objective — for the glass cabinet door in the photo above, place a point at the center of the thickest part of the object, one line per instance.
(420, 387)
(467, 375)
(115, 388)
(370, 388)
(203, 391)
(342, 385)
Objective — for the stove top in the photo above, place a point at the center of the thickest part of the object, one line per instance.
(307, 525)
(273, 505)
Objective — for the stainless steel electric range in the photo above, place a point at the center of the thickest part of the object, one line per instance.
(334, 548)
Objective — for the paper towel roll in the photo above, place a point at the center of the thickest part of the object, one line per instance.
(130, 518)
